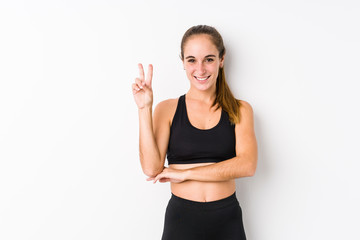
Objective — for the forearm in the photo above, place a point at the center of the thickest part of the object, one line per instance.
(233, 168)
(149, 152)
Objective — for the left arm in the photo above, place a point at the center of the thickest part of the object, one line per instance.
(242, 165)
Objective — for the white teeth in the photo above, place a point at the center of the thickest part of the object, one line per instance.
(201, 79)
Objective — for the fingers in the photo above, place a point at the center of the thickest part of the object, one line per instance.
(160, 176)
(157, 178)
(141, 71)
(139, 83)
(137, 86)
(149, 75)
(164, 180)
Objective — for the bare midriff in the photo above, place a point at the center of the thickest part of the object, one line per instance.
(201, 191)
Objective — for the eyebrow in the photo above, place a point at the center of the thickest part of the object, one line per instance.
(205, 56)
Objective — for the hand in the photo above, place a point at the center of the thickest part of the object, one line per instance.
(169, 175)
(142, 90)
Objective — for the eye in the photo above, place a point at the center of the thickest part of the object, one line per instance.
(209, 60)
(191, 60)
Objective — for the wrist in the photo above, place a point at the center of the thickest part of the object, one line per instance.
(187, 174)
(145, 109)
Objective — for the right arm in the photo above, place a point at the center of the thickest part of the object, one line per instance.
(154, 130)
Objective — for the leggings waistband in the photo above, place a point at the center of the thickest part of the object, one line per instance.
(224, 202)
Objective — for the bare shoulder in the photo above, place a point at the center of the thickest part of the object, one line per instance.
(165, 110)
(246, 112)
(167, 106)
(245, 107)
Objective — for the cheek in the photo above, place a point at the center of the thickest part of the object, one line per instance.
(215, 68)
(189, 69)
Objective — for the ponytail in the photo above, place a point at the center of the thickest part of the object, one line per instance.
(226, 99)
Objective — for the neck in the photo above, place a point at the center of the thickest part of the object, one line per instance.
(207, 96)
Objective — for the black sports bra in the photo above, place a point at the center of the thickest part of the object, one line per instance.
(188, 144)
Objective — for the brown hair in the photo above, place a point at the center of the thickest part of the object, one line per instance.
(224, 96)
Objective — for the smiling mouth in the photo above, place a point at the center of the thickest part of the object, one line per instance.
(201, 78)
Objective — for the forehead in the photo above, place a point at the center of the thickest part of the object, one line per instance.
(200, 45)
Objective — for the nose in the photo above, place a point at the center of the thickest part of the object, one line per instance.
(201, 68)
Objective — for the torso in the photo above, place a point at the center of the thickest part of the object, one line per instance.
(196, 190)
(201, 191)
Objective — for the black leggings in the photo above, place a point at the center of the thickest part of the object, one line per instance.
(216, 220)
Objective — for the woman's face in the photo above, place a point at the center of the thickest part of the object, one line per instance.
(201, 62)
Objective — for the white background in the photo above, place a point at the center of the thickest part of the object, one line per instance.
(69, 166)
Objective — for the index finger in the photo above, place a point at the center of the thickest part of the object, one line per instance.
(141, 71)
(149, 75)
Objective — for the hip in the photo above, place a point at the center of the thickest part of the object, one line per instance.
(213, 220)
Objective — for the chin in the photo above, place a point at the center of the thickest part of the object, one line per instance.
(204, 87)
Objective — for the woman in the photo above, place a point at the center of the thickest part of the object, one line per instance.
(208, 137)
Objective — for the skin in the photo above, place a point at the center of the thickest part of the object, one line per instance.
(202, 181)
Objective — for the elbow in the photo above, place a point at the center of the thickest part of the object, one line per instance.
(151, 172)
(251, 169)
(251, 172)
(151, 166)
(248, 169)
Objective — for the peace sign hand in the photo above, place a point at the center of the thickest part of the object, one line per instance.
(142, 90)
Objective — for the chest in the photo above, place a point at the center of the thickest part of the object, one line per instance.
(203, 118)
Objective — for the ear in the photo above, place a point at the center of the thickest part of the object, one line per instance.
(222, 61)
(183, 62)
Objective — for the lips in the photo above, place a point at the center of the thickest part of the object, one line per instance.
(201, 78)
